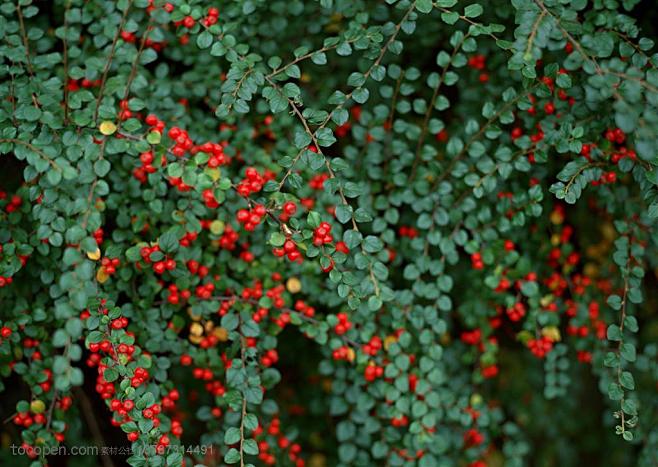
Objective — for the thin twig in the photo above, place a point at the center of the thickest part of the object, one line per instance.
(92, 424)
(108, 62)
(26, 45)
(66, 64)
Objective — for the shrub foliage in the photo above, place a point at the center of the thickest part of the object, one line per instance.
(335, 232)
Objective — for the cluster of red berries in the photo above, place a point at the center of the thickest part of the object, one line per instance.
(503, 285)
(478, 62)
(122, 409)
(622, 153)
(96, 347)
(274, 429)
(476, 261)
(253, 181)
(209, 198)
(322, 234)
(342, 247)
(125, 113)
(373, 346)
(14, 204)
(343, 324)
(178, 183)
(212, 18)
(317, 181)
(229, 238)
(159, 267)
(182, 141)
(289, 250)
(304, 308)
(28, 344)
(224, 307)
(598, 325)
(252, 217)
(140, 375)
(176, 428)
(399, 421)
(214, 387)
(163, 442)
(103, 387)
(283, 319)
(287, 211)
(341, 353)
(541, 346)
(260, 314)
(472, 438)
(75, 84)
(407, 231)
(188, 238)
(198, 269)
(128, 37)
(516, 311)
(6, 280)
(187, 22)
(471, 337)
(204, 374)
(215, 152)
(269, 358)
(204, 291)
(99, 235)
(25, 419)
(119, 323)
(141, 173)
(110, 265)
(615, 135)
(372, 372)
(174, 296)
(275, 294)
(606, 178)
(155, 123)
(152, 411)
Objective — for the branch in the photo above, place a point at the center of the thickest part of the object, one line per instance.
(108, 62)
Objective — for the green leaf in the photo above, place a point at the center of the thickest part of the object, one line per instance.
(614, 333)
(169, 241)
(473, 11)
(232, 456)
(204, 40)
(344, 213)
(424, 6)
(232, 436)
(628, 352)
(101, 167)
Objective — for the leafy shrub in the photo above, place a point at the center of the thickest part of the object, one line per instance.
(330, 232)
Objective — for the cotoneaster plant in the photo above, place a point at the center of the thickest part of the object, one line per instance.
(329, 232)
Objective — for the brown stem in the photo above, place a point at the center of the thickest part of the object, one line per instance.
(428, 113)
(66, 64)
(26, 45)
(33, 149)
(92, 424)
(108, 62)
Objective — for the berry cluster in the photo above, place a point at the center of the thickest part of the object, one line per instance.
(343, 324)
(322, 234)
(250, 218)
(253, 181)
(289, 250)
(182, 141)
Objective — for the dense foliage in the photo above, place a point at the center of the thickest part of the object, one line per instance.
(335, 232)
